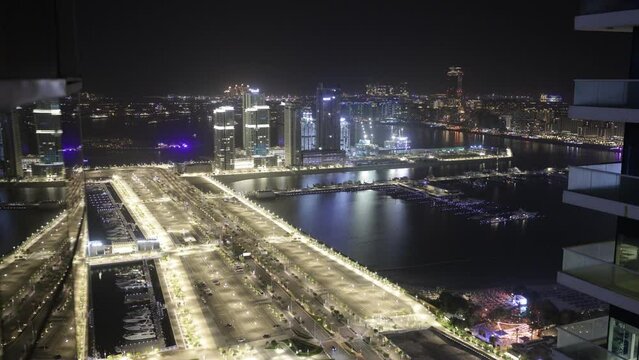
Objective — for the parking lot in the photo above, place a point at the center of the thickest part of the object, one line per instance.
(237, 312)
(360, 295)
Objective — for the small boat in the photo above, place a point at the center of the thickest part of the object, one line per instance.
(141, 335)
(495, 220)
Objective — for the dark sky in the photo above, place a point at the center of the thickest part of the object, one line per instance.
(199, 47)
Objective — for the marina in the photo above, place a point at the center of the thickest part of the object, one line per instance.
(444, 193)
(113, 229)
(127, 303)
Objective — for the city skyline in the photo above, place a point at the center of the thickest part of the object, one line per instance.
(459, 182)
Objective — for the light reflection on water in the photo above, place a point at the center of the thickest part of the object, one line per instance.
(420, 245)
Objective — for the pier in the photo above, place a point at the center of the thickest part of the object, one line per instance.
(436, 196)
(426, 185)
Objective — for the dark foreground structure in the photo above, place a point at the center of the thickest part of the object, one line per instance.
(607, 270)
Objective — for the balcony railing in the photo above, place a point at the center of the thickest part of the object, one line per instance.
(623, 93)
(588, 7)
(594, 264)
(585, 340)
(604, 181)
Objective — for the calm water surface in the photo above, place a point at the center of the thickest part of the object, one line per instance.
(419, 245)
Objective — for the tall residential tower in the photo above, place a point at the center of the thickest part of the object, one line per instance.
(224, 137)
(327, 104)
(608, 271)
(257, 129)
(255, 123)
(292, 135)
(48, 124)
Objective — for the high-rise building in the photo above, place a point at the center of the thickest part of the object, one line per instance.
(608, 271)
(328, 118)
(345, 134)
(255, 123)
(48, 127)
(308, 130)
(46, 117)
(251, 98)
(224, 137)
(456, 75)
(292, 135)
(11, 145)
(257, 129)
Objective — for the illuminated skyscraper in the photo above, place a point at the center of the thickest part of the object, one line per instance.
(292, 135)
(224, 137)
(257, 129)
(308, 130)
(345, 134)
(251, 98)
(328, 118)
(48, 127)
(255, 123)
(46, 116)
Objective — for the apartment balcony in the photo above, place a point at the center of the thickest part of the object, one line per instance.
(607, 15)
(606, 100)
(590, 269)
(603, 188)
(584, 341)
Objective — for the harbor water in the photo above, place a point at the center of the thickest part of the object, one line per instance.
(421, 245)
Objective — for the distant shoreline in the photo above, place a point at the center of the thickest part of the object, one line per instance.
(420, 164)
(523, 138)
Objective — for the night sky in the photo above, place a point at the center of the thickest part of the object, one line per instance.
(133, 48)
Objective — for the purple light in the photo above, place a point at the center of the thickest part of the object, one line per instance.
(180, 146)
(72, 149)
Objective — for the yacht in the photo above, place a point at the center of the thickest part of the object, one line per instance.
(131, 283)
(136, 318)
(140, 311)
(141, 326)
(130, 272)
(140, 335)
(523, 215)
(135, 298)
